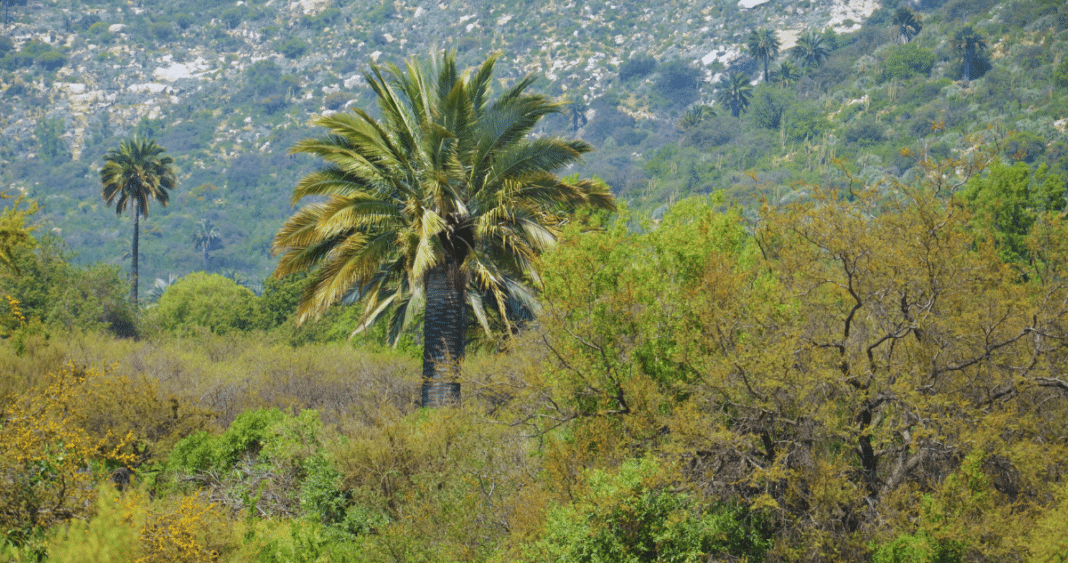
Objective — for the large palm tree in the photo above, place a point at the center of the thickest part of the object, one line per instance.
(764, 45)
(967, 43)
(734, 91)
(439, 205)
(810, 49)
(133, 175)
(906, 23)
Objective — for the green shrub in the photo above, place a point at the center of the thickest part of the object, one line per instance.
(637, 66)
(234, 16)
(294, 48)
(1060, 76)
(382, 12)
(678, 82)
(6, 44)
(162, 31)
(99, 28)
(1024, 147)
(206, 301)
(183, 20)
(918, 548)
(632, 516)
(770, 105)
(905, 61)
(335, 100)
(864, 133)
(246, 436)
(324, 18)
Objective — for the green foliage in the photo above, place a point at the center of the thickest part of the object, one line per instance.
(1060, 75)
(1024, 146)
(917, 548)
(15, 234)
(183, 20)
(51, 60)
(335, 100)
(162, 31)
(637, 66)
(149, 128)
(804, 122)
(631, 516)
(51, 289)
(6, 44)
(678, 82)
(905, 61)
(52, 149)
(864, 132)
(234, 16)
(206, 301)
(327, 17)
(245, 437)
(382, 12)
(1008, 200)
(770, 106)
(294, 48)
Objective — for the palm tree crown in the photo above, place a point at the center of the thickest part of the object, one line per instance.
(204, 239)
(764, 45)
(907, 24)
(735, 92)
(133, 175)
(440, 202)
(811, 49)
(967, 43)
(786, 74)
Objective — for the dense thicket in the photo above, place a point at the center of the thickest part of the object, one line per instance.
(872, 373)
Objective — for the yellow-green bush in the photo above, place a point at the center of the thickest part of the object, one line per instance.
(48, 463)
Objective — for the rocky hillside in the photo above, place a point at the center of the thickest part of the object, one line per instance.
(227, 89)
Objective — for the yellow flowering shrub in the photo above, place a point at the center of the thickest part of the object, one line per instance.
(179, 530)
(130, 527)
(49, 463)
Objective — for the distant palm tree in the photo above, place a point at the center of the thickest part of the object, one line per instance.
(734, 91)
(441, 200)
(907, 24)
(810, 49)
(159, 286)
(695, 116)
(133, 175)
(577, 111)
(764, 44)
(204, 239)
(967, 43)
(786, 74)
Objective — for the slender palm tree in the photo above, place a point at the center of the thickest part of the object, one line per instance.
(810, 49)
(906, 23)
(441, 201)
(967, 43)
(786, 74)
(734, 91)
(204, 239)
(134, 174)
(764, 44)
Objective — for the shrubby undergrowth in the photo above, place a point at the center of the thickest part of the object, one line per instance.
(870, 373)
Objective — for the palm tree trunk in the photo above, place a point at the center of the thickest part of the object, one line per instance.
(444, 327)
(133, 256)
